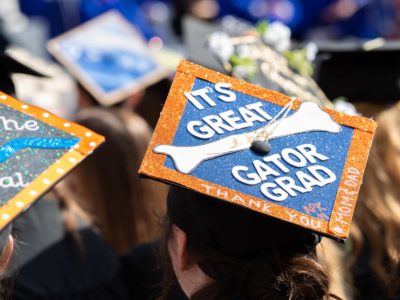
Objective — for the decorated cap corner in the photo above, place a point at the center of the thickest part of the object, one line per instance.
(37, 149)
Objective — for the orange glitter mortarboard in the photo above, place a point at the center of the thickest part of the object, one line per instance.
(37, 149)
(259, 149)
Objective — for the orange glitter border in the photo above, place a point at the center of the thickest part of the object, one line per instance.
(153, 164)
(89, 140)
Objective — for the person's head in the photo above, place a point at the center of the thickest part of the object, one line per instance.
(219, 250)
(107, 183)
(376, 221)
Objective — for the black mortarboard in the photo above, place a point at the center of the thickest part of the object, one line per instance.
(195, 36)
(9, 66)
(360, 71)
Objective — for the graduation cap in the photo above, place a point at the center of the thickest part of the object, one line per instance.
(296, 164)
(195, 36)
(56, 92)
(367, 71)
(36, 150)
(267, 67)
(276, 72)
(109, 57)
(10, 66)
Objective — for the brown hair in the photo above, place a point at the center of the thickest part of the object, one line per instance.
(377, 217)
(332, 256)
(71, 212)
(107, 184)
(6, 280)
(274, 276)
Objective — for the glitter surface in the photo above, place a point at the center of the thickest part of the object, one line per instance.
(320, 210)
(36, 150)
(10, 148)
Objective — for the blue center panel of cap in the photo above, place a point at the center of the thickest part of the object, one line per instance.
(27, 148)
(318, 202)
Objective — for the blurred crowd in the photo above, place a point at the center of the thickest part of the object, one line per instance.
(104, 233)
(31, 22)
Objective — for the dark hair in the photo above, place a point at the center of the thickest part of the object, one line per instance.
(275, 275)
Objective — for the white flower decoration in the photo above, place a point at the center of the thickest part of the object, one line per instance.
(311, 51)
(240, 72)
(277, 35)
(221, 46)
(244, 50)
(346, 107)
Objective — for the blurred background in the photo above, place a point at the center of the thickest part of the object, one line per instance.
(339, 28)
(29, 23)
(325, 49)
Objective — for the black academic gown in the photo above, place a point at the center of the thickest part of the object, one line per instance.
(50, 265)
(143, 274)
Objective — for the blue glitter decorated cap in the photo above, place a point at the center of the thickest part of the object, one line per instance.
(109, 58)
(256, 148)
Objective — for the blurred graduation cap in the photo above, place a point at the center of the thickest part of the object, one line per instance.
(36, 150)
(3, 42)
(266, 67)
(195, 36)
(109, 58)
(196, 33)
(9, 66)
(226, 139)
(55, 92)
(364, 72)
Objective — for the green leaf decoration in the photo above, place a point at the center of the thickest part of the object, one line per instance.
(261, 27)
(297, 59)
(248, 63)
